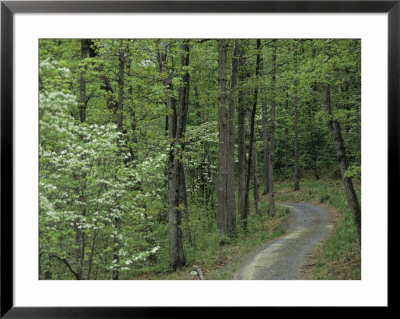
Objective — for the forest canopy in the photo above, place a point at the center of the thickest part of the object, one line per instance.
(152, 150)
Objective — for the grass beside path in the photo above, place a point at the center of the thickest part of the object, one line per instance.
(220, 261)
(340, 257)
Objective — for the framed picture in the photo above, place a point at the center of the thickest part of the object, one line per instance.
(30, 30)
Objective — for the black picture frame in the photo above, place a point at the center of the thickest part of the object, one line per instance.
(9, 8)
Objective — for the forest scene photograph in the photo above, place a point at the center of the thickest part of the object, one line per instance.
(199, 159)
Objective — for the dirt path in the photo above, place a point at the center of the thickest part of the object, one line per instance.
(283, 258)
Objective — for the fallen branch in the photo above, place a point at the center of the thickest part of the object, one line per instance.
(198, 270)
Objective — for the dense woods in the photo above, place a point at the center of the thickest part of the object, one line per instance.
(152, 150)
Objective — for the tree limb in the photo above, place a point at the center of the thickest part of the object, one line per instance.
(65, 261)
(198, 270)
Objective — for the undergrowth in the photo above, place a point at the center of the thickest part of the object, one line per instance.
(216, 255)
(219, 256)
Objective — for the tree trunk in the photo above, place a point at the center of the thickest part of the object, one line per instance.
(222, 145)
(315, 93)
(176, 254)
(334, 128)
(177, 198)
(178, 204)
(286, 139)
(265, 143)
(85, 46)
(226, 214)
(181, 125)
(230, 154)
(242, 203)
(272, 137)
(296, 129)
(251, 125)
(119, 122)
(121, 87)
(256, 180)
(80, 253)
(131, 109)
(92, 251)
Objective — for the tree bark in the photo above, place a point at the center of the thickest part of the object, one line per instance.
(265, 143)
(315, 93)
(256, 180)
(121, 87)
(177, 198)
(254, 149)
(132, 150)
(286, 139)
(272, 136)
(230, 156)
(296, 129)
(68, 264)
(178, 201)
(251, 124)
(226, 211)
(334, 128)
(199, 272)
(242, 203)
(222, 145)
(85, 47)
(92, 250)
(119, 122)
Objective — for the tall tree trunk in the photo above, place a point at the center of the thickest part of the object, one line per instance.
(296, 146)
(181, 130)
(132, 149)
(315, 93)
(131, 109)
(85, 47)
(119, 121)
(252, 121)
(287, 139)
(176, 125)
(177, 184)
(334, 128)
(272, 136)
(222, 145)
(242, 203)
(121, 87)
(226, 214)
(80, 253)
(92, 251)
(116, 248)
(256, 180)
(80, 241)
(265, 143)
(176, 254)
(296, 129)
(230, 153)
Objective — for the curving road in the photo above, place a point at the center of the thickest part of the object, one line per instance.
(283, 258)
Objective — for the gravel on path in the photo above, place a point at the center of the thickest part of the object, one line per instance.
(284, 258)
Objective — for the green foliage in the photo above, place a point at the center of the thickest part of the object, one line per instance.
(104, 189)
(86, 191)
(354, 172)
(324, 198)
